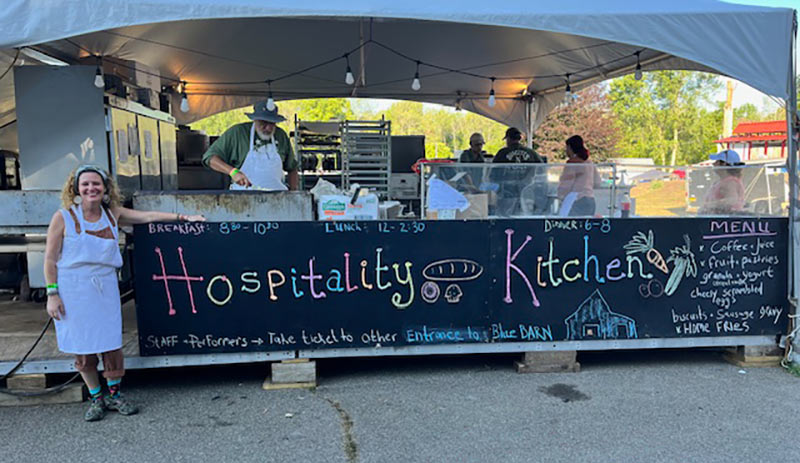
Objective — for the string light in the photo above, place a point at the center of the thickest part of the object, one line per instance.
(184, 99)
(492, 99)
(270, 100)
(638, 74)
(348, 76)
(568, 91)
(415, 84)
(99, 82)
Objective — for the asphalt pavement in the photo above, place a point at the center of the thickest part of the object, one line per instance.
(643, 406)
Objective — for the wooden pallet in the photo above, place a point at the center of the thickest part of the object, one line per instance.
(754, 356)
(35, 383)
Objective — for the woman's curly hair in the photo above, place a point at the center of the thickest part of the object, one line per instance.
(68, 191)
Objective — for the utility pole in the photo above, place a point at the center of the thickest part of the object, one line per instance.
(727, 114)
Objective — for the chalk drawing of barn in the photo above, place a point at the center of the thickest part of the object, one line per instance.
(595, 320)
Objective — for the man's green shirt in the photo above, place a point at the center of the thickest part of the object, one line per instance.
(233, 146)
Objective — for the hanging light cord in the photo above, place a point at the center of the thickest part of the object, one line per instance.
(11, 66)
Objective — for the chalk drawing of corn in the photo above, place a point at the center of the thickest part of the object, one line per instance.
(684, 264)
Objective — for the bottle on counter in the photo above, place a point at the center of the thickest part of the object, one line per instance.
(625, 206)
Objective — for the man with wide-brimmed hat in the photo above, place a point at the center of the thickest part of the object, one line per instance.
(255, 154)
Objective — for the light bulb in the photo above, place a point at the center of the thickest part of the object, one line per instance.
(492, 99)
(99, 82)
(271, 103)
(184, 103)
(638, 74)
(415, 85)
(348, 78)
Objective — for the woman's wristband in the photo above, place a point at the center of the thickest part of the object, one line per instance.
(52, 289)
(233, 172)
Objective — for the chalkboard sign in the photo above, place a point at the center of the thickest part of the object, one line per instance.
(260, 286)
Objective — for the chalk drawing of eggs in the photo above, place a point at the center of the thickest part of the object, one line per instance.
(452, 271)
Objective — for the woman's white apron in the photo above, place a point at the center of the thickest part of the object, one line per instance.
(263, 166)
(87, 283)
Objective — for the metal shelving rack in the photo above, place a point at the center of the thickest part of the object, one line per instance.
(367, 154)
(319, 141)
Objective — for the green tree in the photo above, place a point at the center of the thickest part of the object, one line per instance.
(588, 115)
(220, 122)
(664, 116)
(438, 150)
(747, 112)
(325, 109)
(446, 131)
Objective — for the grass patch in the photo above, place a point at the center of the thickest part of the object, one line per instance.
(794, 369)
(668, 199)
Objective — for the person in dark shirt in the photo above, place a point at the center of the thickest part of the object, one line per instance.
(475, 152)
(512, 180)
(514, 151)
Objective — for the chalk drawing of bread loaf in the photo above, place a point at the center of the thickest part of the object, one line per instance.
(453, 270)
(449, 270)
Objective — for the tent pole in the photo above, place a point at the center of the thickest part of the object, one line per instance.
(792, 129)
(529, 121)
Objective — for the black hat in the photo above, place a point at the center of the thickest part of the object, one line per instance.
(261, 112)
(513, 133)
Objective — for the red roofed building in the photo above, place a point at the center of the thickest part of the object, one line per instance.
(757, 141)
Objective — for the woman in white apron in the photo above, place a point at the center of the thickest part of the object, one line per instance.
(81, 261)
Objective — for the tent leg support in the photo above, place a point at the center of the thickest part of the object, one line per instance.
(33, 383)
(292, 374)
(549, 362)
(754, 356)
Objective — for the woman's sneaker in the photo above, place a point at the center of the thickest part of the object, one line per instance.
(121, 404)
(96, 411)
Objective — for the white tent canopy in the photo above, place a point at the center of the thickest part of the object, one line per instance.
(217, 45)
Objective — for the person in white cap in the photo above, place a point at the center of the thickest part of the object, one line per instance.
(255, 154)
(726, 195)
(475, 153)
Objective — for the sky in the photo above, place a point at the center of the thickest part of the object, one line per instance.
(744, 93)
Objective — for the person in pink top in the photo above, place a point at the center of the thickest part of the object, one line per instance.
(576, 184)
(726, 195)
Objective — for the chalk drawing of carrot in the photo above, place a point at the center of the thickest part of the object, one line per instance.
(684, 264)
(641, 243)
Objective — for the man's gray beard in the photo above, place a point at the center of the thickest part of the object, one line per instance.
(263, 136)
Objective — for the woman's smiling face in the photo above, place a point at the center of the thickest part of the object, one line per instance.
(91, 187)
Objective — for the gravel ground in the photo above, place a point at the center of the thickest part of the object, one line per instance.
(622, 406)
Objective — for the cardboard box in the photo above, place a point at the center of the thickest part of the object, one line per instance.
(148, 98)
(338, 207)
(478, 209)
(147, 77)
